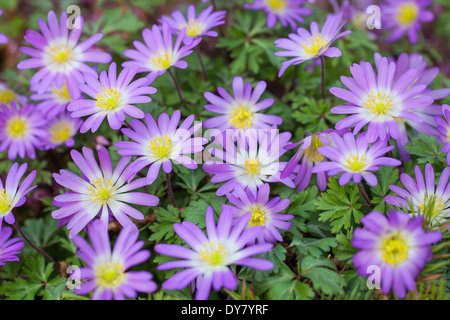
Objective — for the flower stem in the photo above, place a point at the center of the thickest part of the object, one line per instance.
(200, 60)
(169, 190)
(363, 192)
(177, 86)
(322, 63)
(40, 251)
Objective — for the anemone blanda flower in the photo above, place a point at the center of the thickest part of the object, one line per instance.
(106, 271)
(3, 38)
(207, 263)
(113, 98)
(54, 100)
(102, 191)
(61, 130)
(309, 156)
(160, 144)
(396, 244)
(21, 130)
(9, 248)
(7, 95)
(263, 212)
(355, 158)
(250, 161)
(196, 26)
(59, 55)
(443, 127)
(240, 111)
(404, 16)
(378, 100)
(159, 53)
(428, 200)
(12, 192)
(289, 12)
(305, 45)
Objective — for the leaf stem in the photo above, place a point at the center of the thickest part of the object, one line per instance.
(169, 191)
(200, 60)
(177, 86)
(363, 192)
(322, 64)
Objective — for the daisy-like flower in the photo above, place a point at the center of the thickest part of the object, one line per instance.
(428, 200)
(7, 95)
(207, 263)
(113, 96)
(379, 100)
(12, 192)
(240, 111)
(355, 158)
(263, 212)
(250, 161)
(196, 26)
(102, 191)
(21, 130)
(9, 248)
(54, 100)
(305, 45)
(160, 144)
(308, 154)
(106, 271)
(397, 245)
(61, 130)
(443, 127)
(405, 16)
(159, 53)
(3, 38)
(289, 12)
(59, 55)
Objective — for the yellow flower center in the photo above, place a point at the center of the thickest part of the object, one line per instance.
(314, 44)
(5, 202)
(213, 253)
(17, 127)
(110, 275)
(435, 209)
(379, 103)
(60, 132)
(356, 163)
(448, 135)
(162, 60)
(253, 166)
(108, 100)
(311, 152)
(407, 13)
(277, 5)
(6, 96)
(161, 147)
(257, 219)
(101, 191)
(241, 117)
(193, 28)
(60, 54)
(62, 94)
(395, 249)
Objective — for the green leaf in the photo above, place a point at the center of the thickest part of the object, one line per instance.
(427, 150)
(323, 275)
(162, 228)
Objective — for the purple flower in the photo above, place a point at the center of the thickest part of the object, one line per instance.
(443, 127)
(196, 26)
(114, 97)
(305, 45)
(240, 111)
(3, 38)
(12, 193)
(397, 245)
(59, 55)
(263, 212)
(160, 144)
(404, 16)
(428, 200)
(309, 155)
(207, 263)
(21, 130)
(249, 162)
(379, 100)
(54, 100)
(106, 270)
(9, 248)
(7, 95)
(61, 130)
(159, 53)
(355, 158)
(101, 191)
(289, 12)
